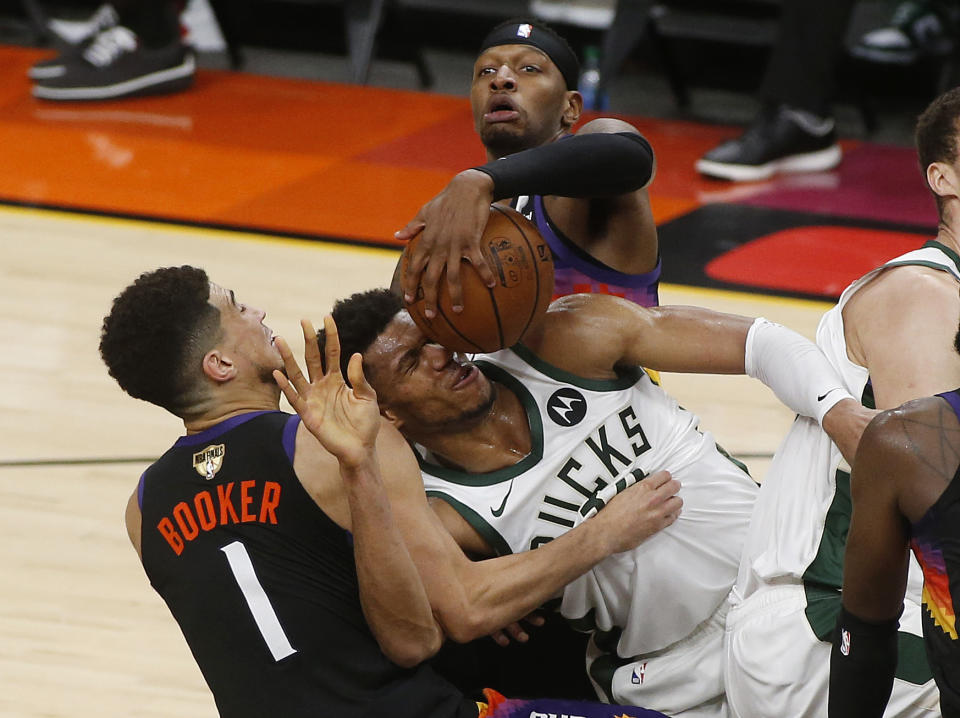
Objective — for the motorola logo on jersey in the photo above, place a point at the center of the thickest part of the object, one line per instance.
(566, 407)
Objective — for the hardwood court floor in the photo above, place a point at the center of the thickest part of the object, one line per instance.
(340, 168)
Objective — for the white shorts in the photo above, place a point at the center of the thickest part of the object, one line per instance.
(776, 666)
(685, 678)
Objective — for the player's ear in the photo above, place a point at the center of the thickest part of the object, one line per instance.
(391, 416)
(218, 366)
(943, 179)
(572, 109)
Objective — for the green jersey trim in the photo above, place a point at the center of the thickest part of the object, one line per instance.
(625, 377)
(954, 257)
(464, 478)
(490, 534)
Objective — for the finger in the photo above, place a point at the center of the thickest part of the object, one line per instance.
(332, 348)
(429, 282)
(286, 388)
(501, 639)
(535, 619)
(416, 261)
(358, 380)
(657, 479)
(311, 350)
(515, 630)
(294, 375)
(479, 262)
(453, 283)
(411, 230)
(665, 492)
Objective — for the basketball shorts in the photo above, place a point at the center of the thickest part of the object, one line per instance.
(683, 679)
(776, 666)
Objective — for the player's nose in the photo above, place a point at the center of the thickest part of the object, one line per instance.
(438, 356)
(505, 79)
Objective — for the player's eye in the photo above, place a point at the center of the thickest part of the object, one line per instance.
(530, 68)
(485, 71)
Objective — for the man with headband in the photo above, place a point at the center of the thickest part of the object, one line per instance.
(585, 191)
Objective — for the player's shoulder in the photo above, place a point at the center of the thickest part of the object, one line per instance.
(606, 124)
(900, 434)
(910, 282)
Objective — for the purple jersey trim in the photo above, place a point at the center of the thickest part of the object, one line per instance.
(953, 399)
(290, 436)
(214, 431)
(563, 251)
(140, 491)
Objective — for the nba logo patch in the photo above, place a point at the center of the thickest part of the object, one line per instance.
(845, 642)
(524, 30)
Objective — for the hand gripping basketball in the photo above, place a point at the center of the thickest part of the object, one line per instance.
(492, 318)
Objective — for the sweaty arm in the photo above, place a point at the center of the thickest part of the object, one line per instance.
(687, 339)
(475, 598)
(864, 654)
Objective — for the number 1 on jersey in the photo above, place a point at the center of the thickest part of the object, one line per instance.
(256, 598)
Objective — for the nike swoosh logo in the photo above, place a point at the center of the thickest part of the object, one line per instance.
(824, 396)
(498, 512)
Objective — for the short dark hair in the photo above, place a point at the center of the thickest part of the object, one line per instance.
(936, 134)
(157, 331)
(360, 319)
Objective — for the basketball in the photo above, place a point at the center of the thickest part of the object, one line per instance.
(492, 319)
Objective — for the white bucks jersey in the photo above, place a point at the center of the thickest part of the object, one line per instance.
(799, 527)
(591, 440)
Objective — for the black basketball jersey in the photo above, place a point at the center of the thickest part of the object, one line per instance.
(263, 583)
(935, 540)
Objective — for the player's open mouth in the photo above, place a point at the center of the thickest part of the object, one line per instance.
(501, 109)
(467, 373)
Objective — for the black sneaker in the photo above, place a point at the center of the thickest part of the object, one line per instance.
(115, 65)
(919, 28)
(780, 140)
(73, 39)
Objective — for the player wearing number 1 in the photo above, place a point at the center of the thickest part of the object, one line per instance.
(306, 579)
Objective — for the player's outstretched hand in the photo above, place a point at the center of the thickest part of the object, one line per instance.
(641, 510)
(345, 420)
(451, 225)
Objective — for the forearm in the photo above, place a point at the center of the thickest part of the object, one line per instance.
(394, 599)
(496, 592)
(862, 665)
(590, 165)
(794, 368)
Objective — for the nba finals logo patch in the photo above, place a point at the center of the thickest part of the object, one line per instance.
(208, 462)
(524, 30)
(845, 642)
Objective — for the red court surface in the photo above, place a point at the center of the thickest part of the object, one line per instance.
(331, 161)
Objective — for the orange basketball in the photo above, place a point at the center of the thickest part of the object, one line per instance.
(496, 318)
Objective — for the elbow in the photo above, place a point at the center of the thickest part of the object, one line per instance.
(467, 626)
(411, 651)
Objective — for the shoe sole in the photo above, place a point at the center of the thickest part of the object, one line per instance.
(169, 80)
(819, 161)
